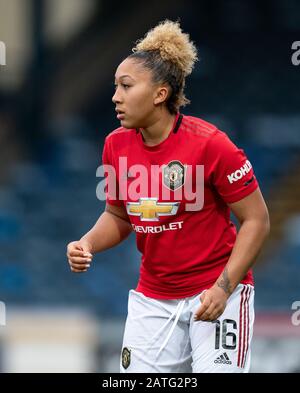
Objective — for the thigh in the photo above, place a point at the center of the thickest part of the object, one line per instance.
(146, 329)
(224, 345)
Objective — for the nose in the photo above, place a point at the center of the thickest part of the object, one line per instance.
(116, 98)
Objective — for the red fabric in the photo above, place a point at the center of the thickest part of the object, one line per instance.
(180, 260)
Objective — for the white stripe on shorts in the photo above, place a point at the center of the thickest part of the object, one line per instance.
(244, 326)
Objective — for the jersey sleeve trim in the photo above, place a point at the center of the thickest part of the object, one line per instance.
(241, 194)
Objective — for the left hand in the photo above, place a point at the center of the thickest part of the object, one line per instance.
(213, 303)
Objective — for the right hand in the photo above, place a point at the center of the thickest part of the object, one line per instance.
(79, 256)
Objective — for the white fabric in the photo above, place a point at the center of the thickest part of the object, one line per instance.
(185, 345)
(178, 312)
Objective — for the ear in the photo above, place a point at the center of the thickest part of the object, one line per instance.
(161, 94)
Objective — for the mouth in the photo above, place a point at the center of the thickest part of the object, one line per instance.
(120, 114)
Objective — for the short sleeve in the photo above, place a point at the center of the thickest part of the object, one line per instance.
(229, 170)
(111, 181)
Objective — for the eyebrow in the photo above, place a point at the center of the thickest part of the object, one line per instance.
(124, 76)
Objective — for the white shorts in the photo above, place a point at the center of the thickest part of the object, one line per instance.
(161, 336)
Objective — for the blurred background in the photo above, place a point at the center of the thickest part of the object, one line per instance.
(55, 111)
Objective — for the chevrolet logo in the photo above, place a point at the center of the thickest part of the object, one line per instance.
(148, 209)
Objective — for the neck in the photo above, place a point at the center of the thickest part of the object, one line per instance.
(158, 130)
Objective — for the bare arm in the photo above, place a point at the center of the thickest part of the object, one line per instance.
(253, 216)
(112, 227)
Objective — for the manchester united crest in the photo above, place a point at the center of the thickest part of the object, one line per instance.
(174, 175)
(126, 354)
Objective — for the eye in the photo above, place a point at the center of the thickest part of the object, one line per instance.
(123, 85)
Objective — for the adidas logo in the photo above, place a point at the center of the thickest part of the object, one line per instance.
(224, 359)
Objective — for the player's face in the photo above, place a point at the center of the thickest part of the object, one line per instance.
(135, 95)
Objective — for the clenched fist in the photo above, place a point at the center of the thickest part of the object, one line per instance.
(79, 256)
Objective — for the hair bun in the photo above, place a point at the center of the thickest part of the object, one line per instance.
(173, 45)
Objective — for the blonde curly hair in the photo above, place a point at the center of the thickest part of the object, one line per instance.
(170, 55)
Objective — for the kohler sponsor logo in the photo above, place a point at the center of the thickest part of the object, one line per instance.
(241, 172)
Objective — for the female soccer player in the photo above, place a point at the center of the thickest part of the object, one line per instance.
(192, 309)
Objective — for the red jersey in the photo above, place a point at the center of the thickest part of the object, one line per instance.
(183, 252)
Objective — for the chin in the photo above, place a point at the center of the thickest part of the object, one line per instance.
(127, 124)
